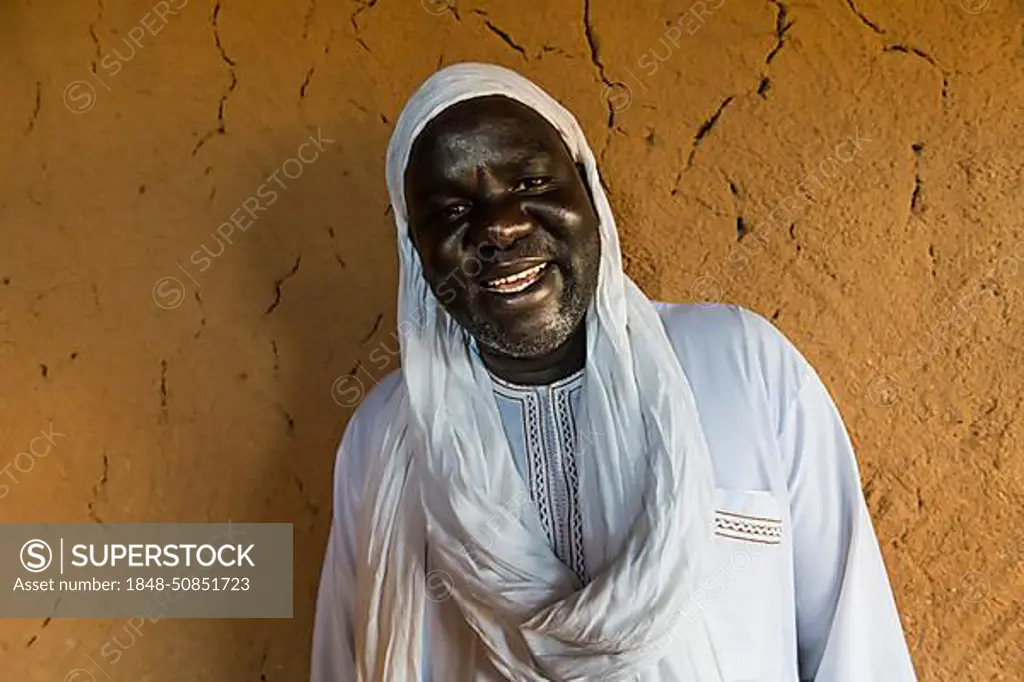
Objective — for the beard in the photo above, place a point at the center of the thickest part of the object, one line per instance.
(580, 269)
(572, 308)
(580, 285)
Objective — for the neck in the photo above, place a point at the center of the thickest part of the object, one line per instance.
(567, 359)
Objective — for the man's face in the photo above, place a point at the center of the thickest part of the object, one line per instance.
(504, 225)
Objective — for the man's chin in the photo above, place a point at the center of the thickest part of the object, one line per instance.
(522, 340)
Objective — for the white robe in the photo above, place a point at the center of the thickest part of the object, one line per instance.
(795, 589)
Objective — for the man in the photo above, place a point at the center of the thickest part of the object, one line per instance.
(566, 481)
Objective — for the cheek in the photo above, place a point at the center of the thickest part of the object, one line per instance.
(433, 251)
(581, 230)
(587, 253)
(575, 216)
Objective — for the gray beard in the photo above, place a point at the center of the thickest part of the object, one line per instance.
(492, 337)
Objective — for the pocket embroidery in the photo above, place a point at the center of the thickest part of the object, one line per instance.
(748, 528)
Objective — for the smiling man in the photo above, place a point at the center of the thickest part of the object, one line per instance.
(565, 480)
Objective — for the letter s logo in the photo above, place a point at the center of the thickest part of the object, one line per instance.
(36, 556)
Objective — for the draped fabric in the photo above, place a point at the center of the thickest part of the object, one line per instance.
(446, 478)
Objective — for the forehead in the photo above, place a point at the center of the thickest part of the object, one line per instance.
(493, 130)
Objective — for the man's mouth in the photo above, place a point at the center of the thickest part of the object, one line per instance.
(518, 281)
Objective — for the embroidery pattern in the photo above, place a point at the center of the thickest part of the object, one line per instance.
(551, 449)
(537, 468)
(749, 528)
(570, 449)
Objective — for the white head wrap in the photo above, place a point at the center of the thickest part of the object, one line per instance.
(447, 479)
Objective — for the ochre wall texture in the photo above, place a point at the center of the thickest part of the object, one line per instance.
(851, 169)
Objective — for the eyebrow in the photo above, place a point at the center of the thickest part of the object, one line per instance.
(529, 160)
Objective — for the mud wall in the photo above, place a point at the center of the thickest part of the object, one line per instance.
(196, 253)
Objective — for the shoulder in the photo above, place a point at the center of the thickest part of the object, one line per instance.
(694, 324)
(723, 346)
(375, 404)
(362, 438)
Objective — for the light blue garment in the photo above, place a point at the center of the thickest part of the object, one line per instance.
(541, 425)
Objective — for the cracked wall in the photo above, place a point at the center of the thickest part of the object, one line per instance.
(851, 169)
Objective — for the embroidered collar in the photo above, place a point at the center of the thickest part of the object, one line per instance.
(574, 380)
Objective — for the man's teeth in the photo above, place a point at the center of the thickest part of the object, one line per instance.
(519, 281)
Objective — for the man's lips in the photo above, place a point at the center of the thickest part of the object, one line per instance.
(514, 277)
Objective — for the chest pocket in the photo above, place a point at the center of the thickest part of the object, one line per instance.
(743, 587)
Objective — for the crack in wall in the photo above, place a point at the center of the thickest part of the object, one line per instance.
(263, 664)
(279, 283)
(507, 39)
(221, 129)
(289, 421)
(742, 228)
(595, 57)
(702, 132)
(915, 197)
(202, 315)
(99, 491)
(307, 20)
(361, 108)
(97, 50)
(330, 41)
(312, 69)
(305, 82)
(705, 129)
(898, 47)
(214, 21)
(310, 506)
(376, 326)
(354, 20)
(782, 26)
(592, 41)
(864, 19)
(35, 110)
(164, 416)
(545, 49)
(903, 48)
(34, 638)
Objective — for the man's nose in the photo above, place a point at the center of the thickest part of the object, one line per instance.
(504, 233)
(504, 226)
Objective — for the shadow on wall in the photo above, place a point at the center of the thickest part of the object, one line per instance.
(312, 330)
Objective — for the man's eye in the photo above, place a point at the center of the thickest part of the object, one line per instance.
(454, 212)
(532, 183)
